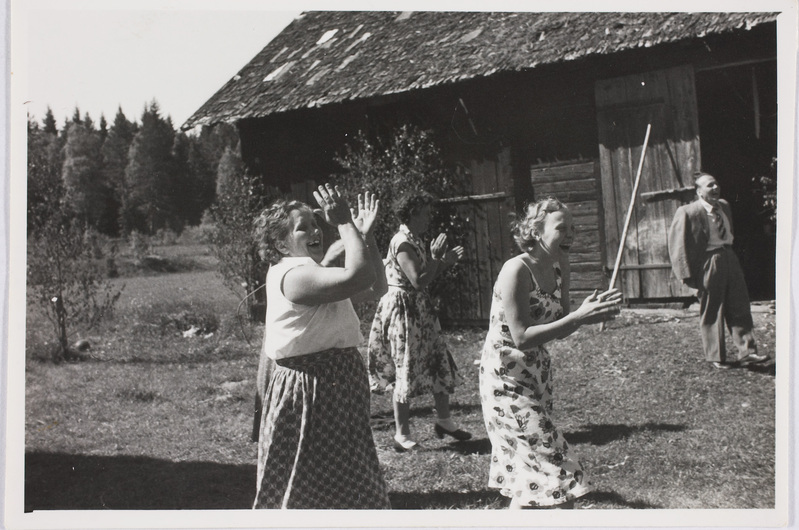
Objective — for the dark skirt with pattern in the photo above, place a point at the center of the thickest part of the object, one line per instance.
(316, 449)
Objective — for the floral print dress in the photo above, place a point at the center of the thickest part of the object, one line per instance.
(530, 459)
(406, 351)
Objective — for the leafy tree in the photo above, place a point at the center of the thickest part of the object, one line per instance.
(238, 203)
(765, 189)
(229, 171)
(88, 194)
(408, 159)
(214, 140)
(45, 160)
(64, 275)
(202, 169)
(181, 179)
(152, 193)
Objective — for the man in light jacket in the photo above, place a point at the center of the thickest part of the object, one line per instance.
(700, 249)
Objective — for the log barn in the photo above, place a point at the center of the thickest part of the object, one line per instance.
(529, 105)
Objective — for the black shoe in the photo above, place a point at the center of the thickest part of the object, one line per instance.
(457, 433)
(753, 358)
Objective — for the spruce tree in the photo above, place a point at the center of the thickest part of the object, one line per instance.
(103, 130)
(151, 195)
(115, 160)
(50, 126)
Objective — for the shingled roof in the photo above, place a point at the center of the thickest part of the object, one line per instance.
(335, 56)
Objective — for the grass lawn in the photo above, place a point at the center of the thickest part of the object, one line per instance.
(155, 420)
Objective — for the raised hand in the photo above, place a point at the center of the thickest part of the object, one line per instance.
(438, 247)
(600, 307)
(454, 255)
(334, 207)
(366, 214)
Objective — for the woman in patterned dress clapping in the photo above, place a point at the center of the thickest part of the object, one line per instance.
(406, 350)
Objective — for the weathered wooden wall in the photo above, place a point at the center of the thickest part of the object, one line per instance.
(488, 242)
(576, 184)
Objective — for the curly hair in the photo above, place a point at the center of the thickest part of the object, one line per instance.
(526, 231)
(410, 202)
(272, 226)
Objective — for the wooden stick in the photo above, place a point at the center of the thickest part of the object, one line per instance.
(629, 214)
(630, 209)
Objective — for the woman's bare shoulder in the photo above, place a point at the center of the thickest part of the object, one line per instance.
(513, 270)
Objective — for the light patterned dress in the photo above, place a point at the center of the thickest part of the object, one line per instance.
(406, 350)
(530, 459)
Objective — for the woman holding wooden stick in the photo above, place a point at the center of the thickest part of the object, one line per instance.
(531, 462)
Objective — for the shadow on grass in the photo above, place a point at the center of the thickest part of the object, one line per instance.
(58, 481)
(465, 408)
(480, 446)
(443, 500)
(609, 499)
(606, 433)
(384, 419)
(768, 369)
(453, 500)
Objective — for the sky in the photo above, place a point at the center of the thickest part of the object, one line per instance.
(99, 59)
(100, 55)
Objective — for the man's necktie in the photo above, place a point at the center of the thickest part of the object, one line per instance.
(719, 220)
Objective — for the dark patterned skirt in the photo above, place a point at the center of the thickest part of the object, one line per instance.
(316, 449)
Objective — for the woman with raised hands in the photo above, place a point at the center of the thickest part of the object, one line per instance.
(406, 350)
(316, 449)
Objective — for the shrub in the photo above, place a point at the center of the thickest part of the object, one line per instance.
(166, 236)
(765, 189)
(140, 245)
(408, 159)
(240, 198)
(66, 279)
(193, 235)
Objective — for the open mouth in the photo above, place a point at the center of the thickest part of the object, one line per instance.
(565, 246)
(315, 243)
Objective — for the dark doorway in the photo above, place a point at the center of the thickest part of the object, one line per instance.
(738, 132)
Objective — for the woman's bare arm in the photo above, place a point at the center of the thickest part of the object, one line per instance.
(514, 284)
(312, 284)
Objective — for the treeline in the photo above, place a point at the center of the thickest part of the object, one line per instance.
(129, 176)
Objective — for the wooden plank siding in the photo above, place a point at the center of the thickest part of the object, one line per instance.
(487, 240)
(666, 100)
(576, 184)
